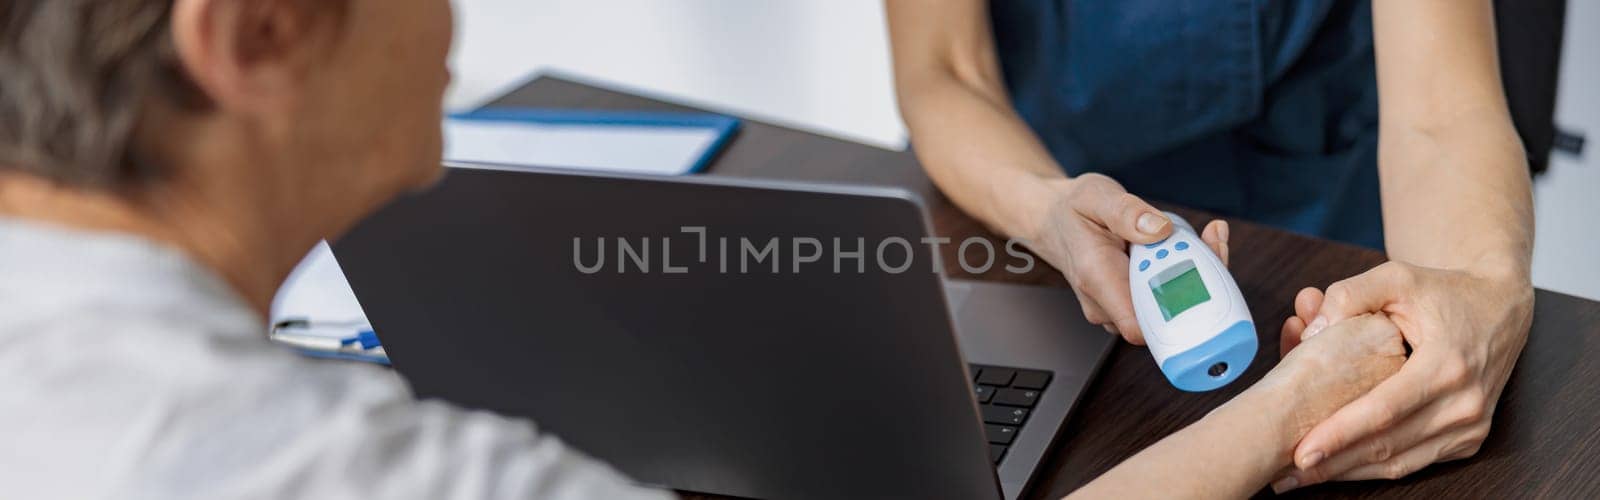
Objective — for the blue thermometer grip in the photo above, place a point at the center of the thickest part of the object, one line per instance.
(1215, 363)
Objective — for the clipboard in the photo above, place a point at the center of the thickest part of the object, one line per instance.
(651, 142)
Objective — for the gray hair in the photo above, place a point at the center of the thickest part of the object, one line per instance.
(75, 76)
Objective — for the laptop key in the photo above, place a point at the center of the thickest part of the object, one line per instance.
(996, 376)
(984, 393)
(1004, 415)
(1031, 379)
(997, 452)
(1000, 434)
(1016, 397)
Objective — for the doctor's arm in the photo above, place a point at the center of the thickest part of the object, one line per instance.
(1458, 220)
(985, 158)
(1237, 449)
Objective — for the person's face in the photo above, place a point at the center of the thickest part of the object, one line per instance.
(375, 103)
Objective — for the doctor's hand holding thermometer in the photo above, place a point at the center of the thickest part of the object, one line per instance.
(1085, 227)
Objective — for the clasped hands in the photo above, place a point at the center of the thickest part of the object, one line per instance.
(1465, 329)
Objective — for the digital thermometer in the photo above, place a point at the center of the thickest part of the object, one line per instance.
(1193, 317)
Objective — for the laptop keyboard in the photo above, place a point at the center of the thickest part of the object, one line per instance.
(1005, 398)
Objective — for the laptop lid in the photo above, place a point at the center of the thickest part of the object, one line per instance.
(739, 337)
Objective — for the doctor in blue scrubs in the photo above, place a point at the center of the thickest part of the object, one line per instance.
(1380, 123)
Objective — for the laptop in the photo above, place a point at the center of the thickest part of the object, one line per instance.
(752, 338)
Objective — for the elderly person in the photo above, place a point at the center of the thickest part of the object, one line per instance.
(165, 163)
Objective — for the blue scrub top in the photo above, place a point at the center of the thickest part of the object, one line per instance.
(1260, 109)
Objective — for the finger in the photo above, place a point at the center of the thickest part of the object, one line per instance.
(1423, 426)
(1126, 325)
(1404, 464)
(1365, 293)
(1091, 311)
(1306, 304)
(1290, 337)
(1284, 475)
(1108, 288)
(1125, 215)
(1396, 467)
(1385, 406)
(1216, 236)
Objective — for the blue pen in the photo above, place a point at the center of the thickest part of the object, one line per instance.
(362, 346)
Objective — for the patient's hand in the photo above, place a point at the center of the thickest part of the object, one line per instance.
(1334, 368)
(1248, 442)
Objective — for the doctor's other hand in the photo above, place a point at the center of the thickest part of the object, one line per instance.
(1084, 232)
(1466, 330)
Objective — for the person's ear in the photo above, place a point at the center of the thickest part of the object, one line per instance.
(246, 55)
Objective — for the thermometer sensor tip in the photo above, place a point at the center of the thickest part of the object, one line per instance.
(1218, 370)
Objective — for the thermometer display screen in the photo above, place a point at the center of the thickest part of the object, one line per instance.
(1178, 289)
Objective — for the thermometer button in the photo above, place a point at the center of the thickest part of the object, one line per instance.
(1143, 265)
(1182, 245)
(1161, 254)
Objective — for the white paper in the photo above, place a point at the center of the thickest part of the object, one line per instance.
(616, 148)
(317, 291)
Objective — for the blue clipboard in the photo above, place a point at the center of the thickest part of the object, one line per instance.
(724, 127)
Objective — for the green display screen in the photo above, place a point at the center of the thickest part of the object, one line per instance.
(1179, 289)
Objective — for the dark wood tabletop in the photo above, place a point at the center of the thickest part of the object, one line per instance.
(1546, 436)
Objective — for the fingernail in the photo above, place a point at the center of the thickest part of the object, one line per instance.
(1152, 224)
(1311, 460)
(1222, 231)
(1285, 484)
(1314, 328)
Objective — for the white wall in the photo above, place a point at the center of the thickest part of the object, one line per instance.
(823, 65)
(816, 64)
(1566, 255)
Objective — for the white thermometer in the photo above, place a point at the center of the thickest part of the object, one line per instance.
(1193, 317)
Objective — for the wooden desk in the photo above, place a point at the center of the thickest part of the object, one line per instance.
(1546, 437)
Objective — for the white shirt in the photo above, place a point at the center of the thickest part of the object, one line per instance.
(128, 371)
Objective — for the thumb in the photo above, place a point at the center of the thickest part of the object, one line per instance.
(1367, 292)
(1130, 218)
(1216, 236)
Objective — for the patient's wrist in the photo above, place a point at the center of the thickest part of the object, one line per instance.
(1326, 373)
(1278, 402)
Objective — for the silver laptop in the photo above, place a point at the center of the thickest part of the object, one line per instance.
(741, 337)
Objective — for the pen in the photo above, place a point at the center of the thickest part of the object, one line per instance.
(362, 346)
